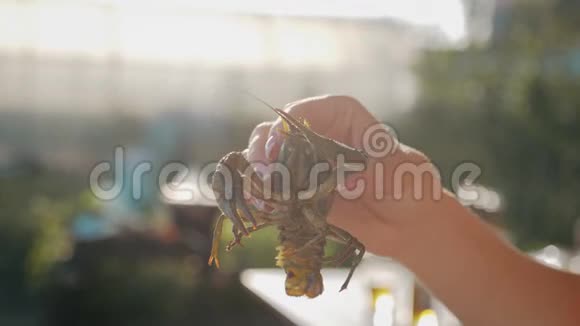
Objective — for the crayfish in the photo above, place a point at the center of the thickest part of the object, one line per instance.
(297, 206)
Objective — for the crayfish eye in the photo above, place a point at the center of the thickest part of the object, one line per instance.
(290, 274)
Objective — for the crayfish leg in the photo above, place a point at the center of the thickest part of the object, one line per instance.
(237, 241)
(232, 213)
(242, 206)
(352, 246)
(215, 243)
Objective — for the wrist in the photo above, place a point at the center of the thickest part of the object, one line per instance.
(429, 230)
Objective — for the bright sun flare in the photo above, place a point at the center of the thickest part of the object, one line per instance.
(178, 31)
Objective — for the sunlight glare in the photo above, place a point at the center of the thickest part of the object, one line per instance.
(427, 318)
(214, 32)
(384, 310)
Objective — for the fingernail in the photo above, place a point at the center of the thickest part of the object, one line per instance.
(261, 170)
(272, 148)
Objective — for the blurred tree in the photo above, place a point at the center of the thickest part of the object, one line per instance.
(513, 108)
(21, 188)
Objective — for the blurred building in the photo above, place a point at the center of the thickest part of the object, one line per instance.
(479, 19)
(77, 79)
(145, 60)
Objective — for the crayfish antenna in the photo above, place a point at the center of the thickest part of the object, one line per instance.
(290, 121)
(330, 146)
(258, 99)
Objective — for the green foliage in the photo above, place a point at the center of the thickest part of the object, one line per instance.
(23, 194)
(52, 241)
(513, 108)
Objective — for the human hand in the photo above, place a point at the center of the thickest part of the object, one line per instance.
(384, 215)
(459, 258)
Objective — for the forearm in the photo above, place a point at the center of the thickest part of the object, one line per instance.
(481, 278)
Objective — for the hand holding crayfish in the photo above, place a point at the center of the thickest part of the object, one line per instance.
(313, 131)
(297, 202)
(381, 224)
(455, 254)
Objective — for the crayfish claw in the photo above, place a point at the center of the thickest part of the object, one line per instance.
(232, 213)
(233, 243)
(241, 205)
(215, 243)
(213, 259)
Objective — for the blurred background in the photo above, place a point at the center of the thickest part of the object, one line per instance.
(490, 82)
